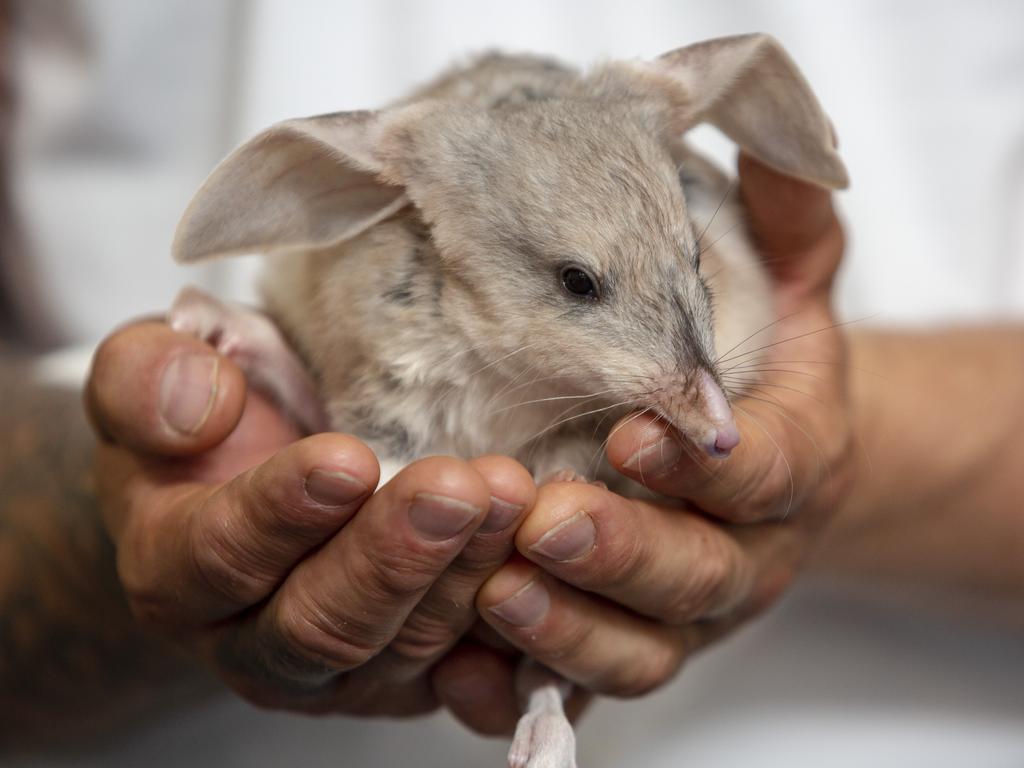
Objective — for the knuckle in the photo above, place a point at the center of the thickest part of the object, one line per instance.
(281, 508)
(146, 592)
(767, 495)
(422, 641)
(225, 567)
(623, 559)
(313, 636)
(476, 562)
(391, 575)
(281, 519)
(147, 602)
(648, 673)
(703, 583)
(568, 642)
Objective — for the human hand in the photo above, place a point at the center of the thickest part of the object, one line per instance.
(615, 593)
(268, 557)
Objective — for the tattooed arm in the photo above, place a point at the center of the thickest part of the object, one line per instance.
(71, 657)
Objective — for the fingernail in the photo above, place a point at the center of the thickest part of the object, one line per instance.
(655, 459)
(188, 391)
(526, 607)
(334, 489)
(438, 517)
(500, 516)
(569, 540)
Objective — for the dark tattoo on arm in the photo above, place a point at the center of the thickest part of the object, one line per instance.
(72, 661)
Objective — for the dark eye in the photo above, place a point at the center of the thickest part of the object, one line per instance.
(577, 282)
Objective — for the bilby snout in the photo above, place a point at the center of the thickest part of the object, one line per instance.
(696, 405)
(721, 435)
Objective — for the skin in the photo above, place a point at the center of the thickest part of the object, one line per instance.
(955, 523)
(157, 479)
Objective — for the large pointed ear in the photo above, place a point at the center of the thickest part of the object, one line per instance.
(301, 184)
(750, 89)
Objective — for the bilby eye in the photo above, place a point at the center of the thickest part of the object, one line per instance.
(577, 282)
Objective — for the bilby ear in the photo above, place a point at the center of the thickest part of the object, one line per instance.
(305, 183)
(750, 89)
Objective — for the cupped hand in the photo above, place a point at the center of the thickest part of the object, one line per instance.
(269, 557)
(616, 593)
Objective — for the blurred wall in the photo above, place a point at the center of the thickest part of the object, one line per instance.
(928, 99)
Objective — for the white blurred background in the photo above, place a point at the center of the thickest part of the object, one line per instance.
(124, 106)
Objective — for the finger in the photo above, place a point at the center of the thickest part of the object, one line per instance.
(131, 484)
(793, 224)
(202, 555)
(586, 639)
(579, 633)
(668, 564)
(157, 391)
(447, 611)
(262, 431)
(477, 685)
(339, 608)
(765, 478)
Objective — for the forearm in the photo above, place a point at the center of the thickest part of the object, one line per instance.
(938, 496)
(71, 658)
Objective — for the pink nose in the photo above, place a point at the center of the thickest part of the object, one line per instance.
(723, 435)
(721, 442)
